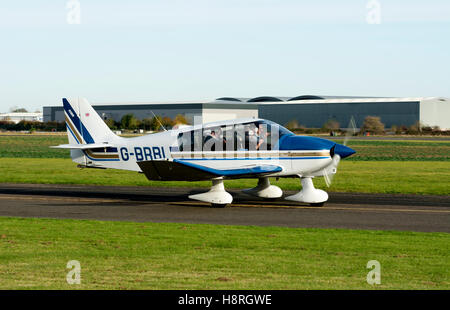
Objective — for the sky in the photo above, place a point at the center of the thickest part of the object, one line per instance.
(173, 50)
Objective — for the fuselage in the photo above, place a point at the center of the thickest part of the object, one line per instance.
(231, 147)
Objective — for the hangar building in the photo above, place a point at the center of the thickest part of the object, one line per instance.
(308, 110)
(195, 111)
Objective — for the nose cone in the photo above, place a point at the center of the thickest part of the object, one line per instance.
(343, 151)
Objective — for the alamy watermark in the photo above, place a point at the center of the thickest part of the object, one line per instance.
(73, 16)
(74, 275)
(374, 275)
(373, 16)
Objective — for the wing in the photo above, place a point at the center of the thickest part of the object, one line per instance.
(178, 170)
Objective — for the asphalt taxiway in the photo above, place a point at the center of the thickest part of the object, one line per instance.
(150, 204)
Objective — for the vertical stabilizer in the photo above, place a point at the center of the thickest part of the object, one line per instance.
(84, 125)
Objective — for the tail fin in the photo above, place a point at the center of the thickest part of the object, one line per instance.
(84, 125)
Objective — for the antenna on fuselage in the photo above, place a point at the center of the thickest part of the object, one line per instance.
(158, 120)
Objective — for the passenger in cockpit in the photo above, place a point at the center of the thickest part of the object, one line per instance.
(210, 141)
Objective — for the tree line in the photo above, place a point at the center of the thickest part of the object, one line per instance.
(127, 122)
(130, 122)
(371, 125)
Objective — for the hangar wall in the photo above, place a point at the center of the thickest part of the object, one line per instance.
(435, 112)
(213, 112)
(308, 111)
(315, 115)
(194, 112)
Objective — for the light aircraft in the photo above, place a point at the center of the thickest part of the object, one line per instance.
(233, 149)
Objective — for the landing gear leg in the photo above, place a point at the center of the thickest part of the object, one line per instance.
(217, 195)
(309, 193)
(264, 189)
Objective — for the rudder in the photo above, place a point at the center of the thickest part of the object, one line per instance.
(84, 125)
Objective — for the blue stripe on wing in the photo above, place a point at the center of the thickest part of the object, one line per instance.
(262, 169)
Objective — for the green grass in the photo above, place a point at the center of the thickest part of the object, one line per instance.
(37, 146)
(122, 255)
(399, 150)
(379, 166)
(33, 146)
(365, 176)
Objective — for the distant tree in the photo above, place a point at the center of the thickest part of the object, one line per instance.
(20, 110)
(415, 128)
(292, 124)
(180, 119)
(394, 129)
(147, 124)
(331, 124)
(128, 121)
(373, 125)
(111, 123)
(167, 122)
(155, 124)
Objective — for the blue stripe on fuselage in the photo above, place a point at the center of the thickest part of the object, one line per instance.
(304, 143)
(256, 158)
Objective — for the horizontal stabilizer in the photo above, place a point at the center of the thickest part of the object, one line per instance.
(82, 146)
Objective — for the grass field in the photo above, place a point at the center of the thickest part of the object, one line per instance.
(121, 255)
(380, 150)
(413, 167)
(364, 176)
(37, 146)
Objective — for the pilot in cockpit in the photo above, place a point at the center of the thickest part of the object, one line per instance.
(256, 136)
(210, 141)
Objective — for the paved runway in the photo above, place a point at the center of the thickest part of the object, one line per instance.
(147, 204)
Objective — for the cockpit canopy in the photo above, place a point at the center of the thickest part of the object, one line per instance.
(258, 135)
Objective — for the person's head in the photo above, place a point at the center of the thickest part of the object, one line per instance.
(213, 133)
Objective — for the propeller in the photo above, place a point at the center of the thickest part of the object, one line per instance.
(351, 130)
(330, 170)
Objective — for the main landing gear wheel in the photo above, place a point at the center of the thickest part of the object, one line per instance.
(264, 190)
(216, 196)
(319, 204)
(218, 205)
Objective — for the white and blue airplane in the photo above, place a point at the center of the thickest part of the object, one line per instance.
(233, 149)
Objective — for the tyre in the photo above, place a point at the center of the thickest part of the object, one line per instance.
(317, 204)
(218, 205)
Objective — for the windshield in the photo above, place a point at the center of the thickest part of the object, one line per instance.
(259, 135)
